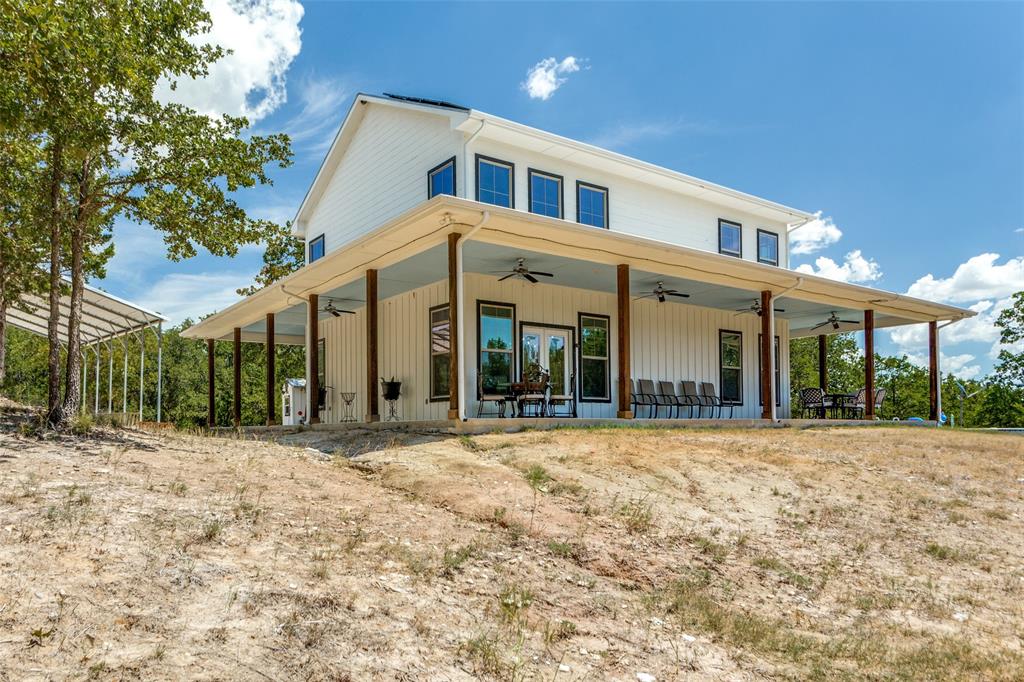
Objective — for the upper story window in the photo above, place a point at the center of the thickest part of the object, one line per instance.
(316, 248)
(441, 179)
(730, 238)
(494, 181)
(591, 205)
(545, 192)
(767, 247)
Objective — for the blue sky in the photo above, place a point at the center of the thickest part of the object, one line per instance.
(902, 123)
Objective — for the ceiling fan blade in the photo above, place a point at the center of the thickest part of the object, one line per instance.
(744, 310)
(530, 278)
(819, 325)
(779, 310)
(849, 321)
(542, 274)
(677, 294)
(502, 279)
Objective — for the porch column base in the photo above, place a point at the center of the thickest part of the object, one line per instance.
(453, 414)
(624, 414)
(370, 418)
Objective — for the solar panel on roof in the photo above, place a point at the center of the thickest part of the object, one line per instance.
(423, 100)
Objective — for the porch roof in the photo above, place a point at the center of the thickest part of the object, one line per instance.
(409, 252)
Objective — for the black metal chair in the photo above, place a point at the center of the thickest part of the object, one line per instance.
(667, 396)
(535, 394)
(481, 398)
(640, 399)
(812, 401)
(692, 397)
(853, 407)
(707, 390)
(567, 400)
(657, 401)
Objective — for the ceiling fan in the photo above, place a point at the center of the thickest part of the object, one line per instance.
(756, 308)
(834, 320)
(660, 292)
(521, 271)
(335, 310)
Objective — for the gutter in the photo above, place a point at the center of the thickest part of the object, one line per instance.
(460, 297)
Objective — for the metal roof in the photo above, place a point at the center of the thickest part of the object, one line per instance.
(104, 316)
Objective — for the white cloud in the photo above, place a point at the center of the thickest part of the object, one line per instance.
(264, 38)
(323, 106)
(814, 235)
(855, 268)
(626, 134)
(1019, 230)
(179, 296)
(950, 364)
(979, 278)
(548, 75)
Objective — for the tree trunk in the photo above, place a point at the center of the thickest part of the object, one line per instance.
(54, 415)
(79, 229)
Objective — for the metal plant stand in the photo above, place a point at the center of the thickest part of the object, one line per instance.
(348, 397)
(392, 391)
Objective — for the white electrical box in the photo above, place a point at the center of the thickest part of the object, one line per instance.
(293, 402)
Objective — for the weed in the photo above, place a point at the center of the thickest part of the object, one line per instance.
(537, 476)
(563, 629)
(514, 601)
(39, 636)
(482, 651)
(211, 530)
(177, 488)
(452, 560)
(789, 576)
(82, 424)
(639, 516)
(715, 550)
(944, 553)
(468, 443)
(566, 550)
(322, 558)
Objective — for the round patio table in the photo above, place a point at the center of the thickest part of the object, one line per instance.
(834, 402)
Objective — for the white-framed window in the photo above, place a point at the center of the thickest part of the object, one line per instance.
(440, 352)
(595, 352)
(496, 325)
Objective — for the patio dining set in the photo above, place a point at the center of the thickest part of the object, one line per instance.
(815, 403)
(532, 397)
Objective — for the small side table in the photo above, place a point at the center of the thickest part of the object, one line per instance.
(348, 397)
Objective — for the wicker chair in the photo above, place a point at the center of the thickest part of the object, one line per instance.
(879, 399)
(812, 401)
(853, 408)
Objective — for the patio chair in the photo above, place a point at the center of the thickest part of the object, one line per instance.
(707, 390)
(535, 395)
(657, 400)
(692, 397)
(853, 408)
(566, 400)
(667, 396)
(482, 398)
(879, 399)
(640, 399)
(812, 401)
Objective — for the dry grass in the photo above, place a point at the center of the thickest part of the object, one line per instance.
(858, 553)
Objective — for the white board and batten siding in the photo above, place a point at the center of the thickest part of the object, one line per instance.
(671, 341)
(382, 174)
(635, 208)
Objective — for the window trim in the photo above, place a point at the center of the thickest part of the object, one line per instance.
(430, 351)
(511, 177)
(579, 360)
(607, 203)
(543, 325)
(455, 177)
(721, 383)
(530, 172)
(309, 248)
(761, 231)
(778, 371)
(738, 226)
(479, 336)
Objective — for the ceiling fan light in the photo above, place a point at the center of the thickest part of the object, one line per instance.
(661, 298)
(835, 324)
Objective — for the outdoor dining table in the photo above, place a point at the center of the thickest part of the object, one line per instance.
(834, 402)
(515, 390)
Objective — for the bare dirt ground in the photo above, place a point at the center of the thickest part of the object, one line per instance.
(620, 554)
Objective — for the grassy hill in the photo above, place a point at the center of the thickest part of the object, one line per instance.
(562, 555)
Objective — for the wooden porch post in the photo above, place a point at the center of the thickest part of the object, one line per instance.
(271, 358)
(211, 412)
(453, 325)
(625, 410)
(869, 364)
(767, 343)
(933, 371)
(312, 342)
(372, 382)
(823, 362)
(237, 369)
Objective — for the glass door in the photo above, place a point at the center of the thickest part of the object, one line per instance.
(548, 348)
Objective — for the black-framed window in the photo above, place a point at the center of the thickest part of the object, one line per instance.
(545, 193)
(595, 356)
(778, 373)
(591, 204)
(495, 181)
(440, 352)
(730, 238)
(441, 179)
(767, 247)
(321, 361)
(316, 248)
(730, 366)
(496, 330)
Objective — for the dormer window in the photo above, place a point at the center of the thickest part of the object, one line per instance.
(767, 247)
(730, 238)
(441, 179)
(545, 191)
(494, 181)
(316, 248)
(591, 205)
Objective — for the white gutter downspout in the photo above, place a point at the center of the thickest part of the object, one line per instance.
(771, 356)
(460, 317)
(465, 159)
(938, 363)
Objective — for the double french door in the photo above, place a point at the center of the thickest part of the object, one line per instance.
(550, 349)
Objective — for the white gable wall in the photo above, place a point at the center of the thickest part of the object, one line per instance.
(634, 207)
(382, 173)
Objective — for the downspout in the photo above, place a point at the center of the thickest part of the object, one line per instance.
(465, 160)
(460, 316)
(938, 361)
(771, 356)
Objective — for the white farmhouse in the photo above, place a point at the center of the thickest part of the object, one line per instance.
(496, 269)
